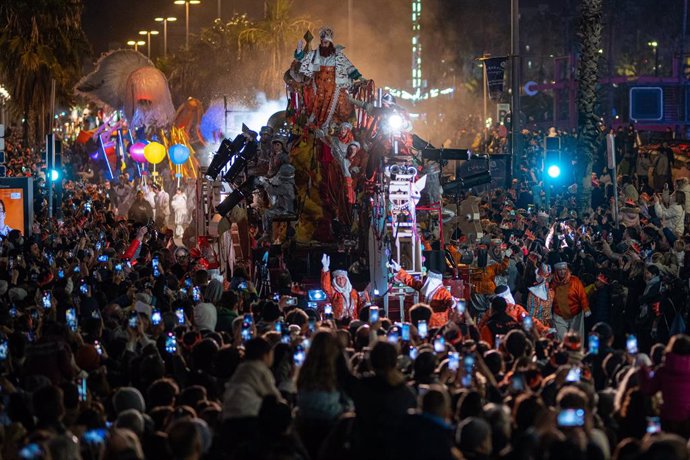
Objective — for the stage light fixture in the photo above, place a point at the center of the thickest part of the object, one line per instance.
(240, 162)
(235, 198)
(224, 154)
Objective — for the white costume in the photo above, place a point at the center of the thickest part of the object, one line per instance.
(179, 207)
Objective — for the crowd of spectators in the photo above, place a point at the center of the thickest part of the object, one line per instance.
(116, 343)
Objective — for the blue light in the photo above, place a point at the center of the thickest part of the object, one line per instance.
(54, 175)
(554, 171)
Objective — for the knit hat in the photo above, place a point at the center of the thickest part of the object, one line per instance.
(337, 273)
(128, 398)
(559, 265)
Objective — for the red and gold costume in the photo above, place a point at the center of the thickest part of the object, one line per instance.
(342, 306)
(438, 297)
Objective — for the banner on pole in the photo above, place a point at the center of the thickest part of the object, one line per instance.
(495, 74)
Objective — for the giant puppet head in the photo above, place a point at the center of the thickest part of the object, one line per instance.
(127, 80)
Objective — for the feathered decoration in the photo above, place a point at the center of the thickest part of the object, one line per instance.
(127, 80)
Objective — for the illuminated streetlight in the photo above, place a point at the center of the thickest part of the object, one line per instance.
(186, 4)
(136, 44)
(655, 45)
(165, 32)
(148, 34)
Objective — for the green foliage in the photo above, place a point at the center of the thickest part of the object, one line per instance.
(42, 40)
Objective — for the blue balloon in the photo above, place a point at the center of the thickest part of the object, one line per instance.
(179, 154)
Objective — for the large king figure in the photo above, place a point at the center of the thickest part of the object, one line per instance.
(329, 74)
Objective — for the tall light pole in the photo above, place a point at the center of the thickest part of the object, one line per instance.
(515, 86)
(136, 44)
(655, 45)
(165, 33)
(186, 4)
(148, 34)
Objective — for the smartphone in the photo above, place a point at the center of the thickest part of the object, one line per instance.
(133, 320)
(497, 341)
(104, 258)
(517, 383)
(118, 267)
(71, 318)
(439, 344)
(81, 388)
(156, 317)
(276, 297)
(95, 437)
(188, 282)
(61, 273)
(299, 355)
(312, 324)
(285, 334)
(4, 348)
(196, 294)
(179, 313)
(13, 312)
(291, 301)
(405, 332)
(156, 268)
(412, 353)
(527, 323)
(10, 262)
(46, 300)
(571, 418)
(278, 326)
(84, 288)
(77, 269)
(631, 344)
(574, 375)
(373, 315)
(247, 322)
(593, 344)
(453, 361)
(316, 295)
(31, 452)
(242, 285)
(98, 347)
(422, 329)
(312, 305)
(530, 208)
(328, 311)
(653, 425)
(170, 343)
(468, 363)
(461, 306)
(393, 336)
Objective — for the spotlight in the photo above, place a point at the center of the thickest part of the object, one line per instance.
(240, 161)
(225, 152)
(235, 198)
(395, 122)
(554, 171)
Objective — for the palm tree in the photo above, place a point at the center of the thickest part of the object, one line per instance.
(42, 40)
(274, 38)
(589, 137)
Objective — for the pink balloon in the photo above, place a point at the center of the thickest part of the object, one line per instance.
(136, 152)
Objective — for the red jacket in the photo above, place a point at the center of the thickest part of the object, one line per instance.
(337, 299)
(440, 302)
(517, 312)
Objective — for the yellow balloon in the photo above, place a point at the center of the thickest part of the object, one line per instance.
(154, 152)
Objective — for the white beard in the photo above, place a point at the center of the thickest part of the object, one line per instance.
(429, 288)
(346, 291)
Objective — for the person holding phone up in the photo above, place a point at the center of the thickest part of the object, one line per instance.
(345, 300)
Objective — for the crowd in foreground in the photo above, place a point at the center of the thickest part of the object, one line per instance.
(118, 344)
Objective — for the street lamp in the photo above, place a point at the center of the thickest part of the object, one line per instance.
(186, 4)
(654, 44)
(148, 34)
(136, 44)
(165, 33)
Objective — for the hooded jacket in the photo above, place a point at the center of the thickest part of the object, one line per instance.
(673, 380)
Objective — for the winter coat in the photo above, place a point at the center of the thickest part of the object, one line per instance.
(673, 216)
(673, 380)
